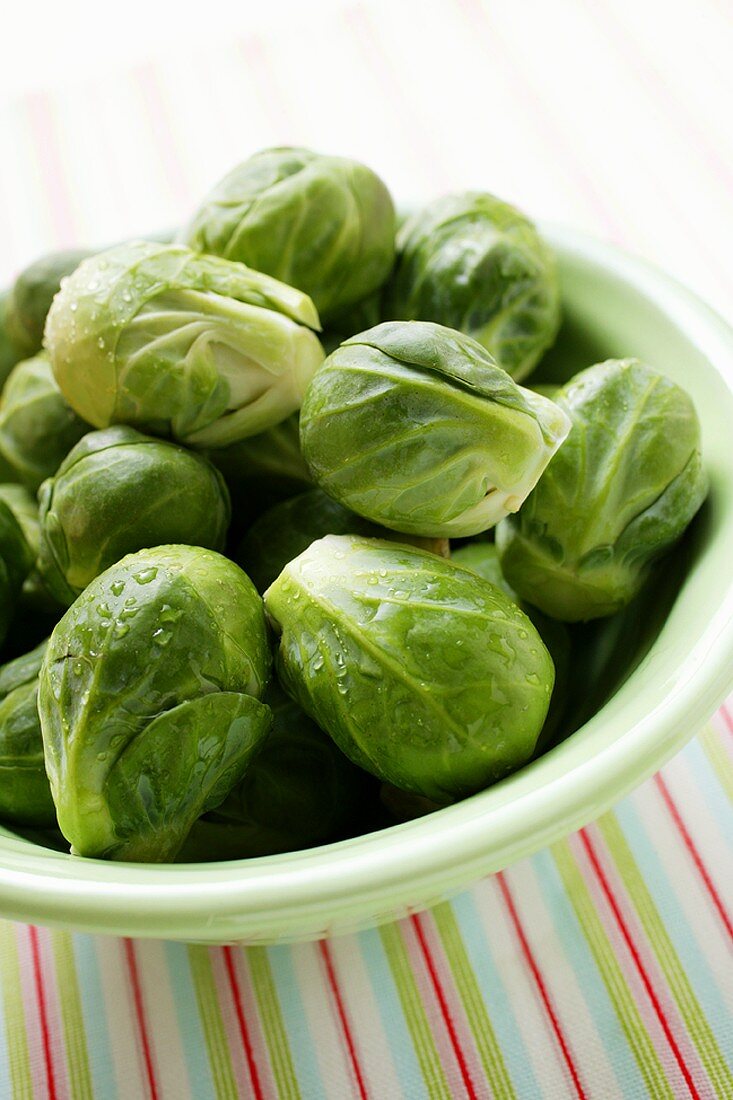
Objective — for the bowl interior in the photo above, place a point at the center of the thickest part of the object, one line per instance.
(657, 670)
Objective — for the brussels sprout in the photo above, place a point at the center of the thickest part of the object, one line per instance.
(422, 672)
(477, 264)
(25, 509)
(263, 470)
(9, 353)
(288, 528)
(8, 475)
(413, 426)
(483, 558)
(179, 344)
(357, 318)
(36, 603)
(119, 491)
(619, 493)
(546, 389)
(323, 224)
(300, 791)
(25, 795)
(16, 561)
(31, 296)
(37, 427)
(149, 700)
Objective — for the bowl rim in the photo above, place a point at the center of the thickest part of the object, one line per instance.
(310, 889)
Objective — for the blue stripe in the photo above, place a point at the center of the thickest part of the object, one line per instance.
(101, 1064)
(591, 983)
(684, 938)
(5, 1086)
(295, 1021)
(498, 1006)
(189, 1022)
(712, 793)
(405, 1059)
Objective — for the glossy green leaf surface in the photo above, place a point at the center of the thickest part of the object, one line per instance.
(185, 764)
(158, 632)
(288, 528)
(299, 791)
(422, 672)
(119, 491)
(324, 224)
(483, 558)
(414, 426)
(16, 561)
(477, 264)
(24, 507)
(620, 491)
(25, 794)
(36, 605)
(177, 343)
(10, 353)
(37, 425)
(31, 295)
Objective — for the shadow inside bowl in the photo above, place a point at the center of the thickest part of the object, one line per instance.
(605, 652)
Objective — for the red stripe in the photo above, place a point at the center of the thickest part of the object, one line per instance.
(55, 180)
(671, 104)
(142, 1027)
(444, 1009)
(267, 86)
(680, 210)
(343, 1018)
(528, 96)
(541, 987)
(158, 117)
(694, 853)
(243, 1029)
(727, 718)
(42, 1011)
(555, 136)
(628, 939)
(387, 79)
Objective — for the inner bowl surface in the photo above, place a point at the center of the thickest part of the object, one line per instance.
(677, 672)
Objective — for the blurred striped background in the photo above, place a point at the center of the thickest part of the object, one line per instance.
(600, 967)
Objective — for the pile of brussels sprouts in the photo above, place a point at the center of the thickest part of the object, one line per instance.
(259, 597)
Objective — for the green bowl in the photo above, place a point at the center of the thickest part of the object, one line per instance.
(677, 667)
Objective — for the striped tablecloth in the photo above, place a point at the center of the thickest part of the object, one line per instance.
(601, 967)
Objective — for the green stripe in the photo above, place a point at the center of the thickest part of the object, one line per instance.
(217, 1047)
(414, 1012)
(77, 1055)
(473, 1002)
(273, 1026)
(716, 754)
(603, 952)
(658, 937)
(15, 1030)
